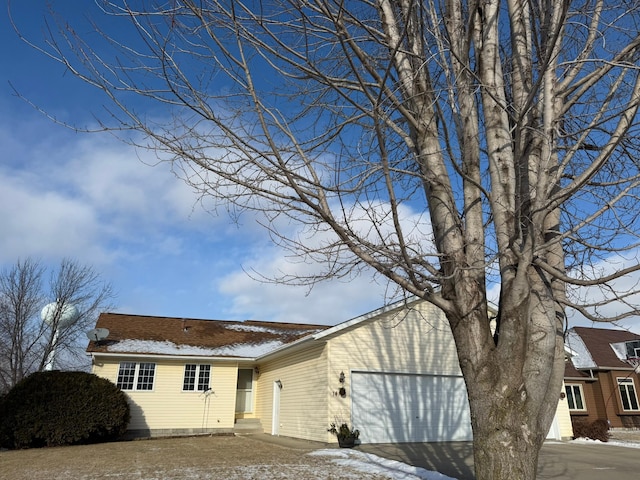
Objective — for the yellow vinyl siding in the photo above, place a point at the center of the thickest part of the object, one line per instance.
(417, 341)
(304, 395)
(564, 417)
(167, 407)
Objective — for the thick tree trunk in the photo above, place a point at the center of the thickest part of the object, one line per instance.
(509, 424)
(505, 451)
(514, 381)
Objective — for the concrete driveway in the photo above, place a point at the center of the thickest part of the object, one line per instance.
(588, 462)
(558, 460)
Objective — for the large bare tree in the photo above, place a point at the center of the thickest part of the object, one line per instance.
(73, 296)
(509, 126)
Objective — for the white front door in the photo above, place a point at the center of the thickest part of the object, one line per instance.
(275, 418)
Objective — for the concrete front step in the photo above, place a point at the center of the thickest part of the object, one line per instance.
(248, 425)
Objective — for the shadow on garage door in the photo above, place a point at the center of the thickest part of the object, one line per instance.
(400, 407)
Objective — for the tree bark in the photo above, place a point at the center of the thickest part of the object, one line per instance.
(513, 391)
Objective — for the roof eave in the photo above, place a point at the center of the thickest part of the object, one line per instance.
(602, 368)
(583, 379)
(363, 318)
(284, 349)
(165, 356)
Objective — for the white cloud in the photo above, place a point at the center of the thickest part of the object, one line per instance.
(69, 195)
(38, 222)
(327, 302)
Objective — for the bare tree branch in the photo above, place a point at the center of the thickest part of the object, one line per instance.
(443, 145)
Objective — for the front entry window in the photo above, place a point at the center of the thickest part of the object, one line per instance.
(244, 394)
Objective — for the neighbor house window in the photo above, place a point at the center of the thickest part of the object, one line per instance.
(136, 376)
(628, 394)
(575, 397)
(196, 376)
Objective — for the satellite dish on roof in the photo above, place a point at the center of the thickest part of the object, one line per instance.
(97, 334)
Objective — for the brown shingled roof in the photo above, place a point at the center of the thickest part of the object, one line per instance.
(598, 341)
(204, 334)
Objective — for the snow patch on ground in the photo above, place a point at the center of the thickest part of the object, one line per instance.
(374, 465)
(613, 443)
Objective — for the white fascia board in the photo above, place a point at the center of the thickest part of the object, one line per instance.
(365, 317)
(286, 348)
(387, 308)
(337, 328)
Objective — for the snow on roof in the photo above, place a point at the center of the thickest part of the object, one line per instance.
(240, 327)
(166, 347)
(582, 357)
(620, 349)
(140, 334)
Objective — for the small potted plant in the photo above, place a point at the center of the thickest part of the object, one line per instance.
(346, 436)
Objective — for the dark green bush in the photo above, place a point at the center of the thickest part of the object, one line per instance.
(62, 408)
(596, 430)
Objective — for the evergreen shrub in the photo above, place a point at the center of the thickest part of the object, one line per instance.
(62, 408)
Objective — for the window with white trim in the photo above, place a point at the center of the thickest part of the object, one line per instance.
(193, 372)
(575, 397)
(136, 376)
(628, 394)
(633, 348)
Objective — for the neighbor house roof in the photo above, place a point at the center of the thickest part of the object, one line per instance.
(599, 348)
(571, 373)
(139, 334)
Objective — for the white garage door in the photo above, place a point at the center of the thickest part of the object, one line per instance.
(391, 408)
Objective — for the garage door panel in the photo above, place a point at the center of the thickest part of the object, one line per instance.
(389, 408)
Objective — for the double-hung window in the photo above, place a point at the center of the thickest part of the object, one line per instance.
(575, 398)
(136, 376)
(628, 394)
(196, 377)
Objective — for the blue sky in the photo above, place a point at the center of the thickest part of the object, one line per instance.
(94, 199)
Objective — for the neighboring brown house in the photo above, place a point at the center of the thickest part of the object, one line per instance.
(600, 380)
